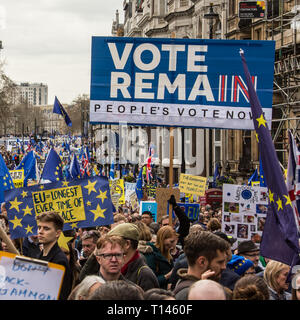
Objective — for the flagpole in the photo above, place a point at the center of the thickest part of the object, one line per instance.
(171, 168)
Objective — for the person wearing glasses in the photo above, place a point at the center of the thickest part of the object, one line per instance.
(250, 251)
(110, 256)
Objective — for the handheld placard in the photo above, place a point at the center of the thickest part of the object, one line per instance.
(24, 278)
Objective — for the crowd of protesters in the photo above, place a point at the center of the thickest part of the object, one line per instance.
(137, 258)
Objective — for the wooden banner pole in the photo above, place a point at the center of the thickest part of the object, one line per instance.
(171, 170)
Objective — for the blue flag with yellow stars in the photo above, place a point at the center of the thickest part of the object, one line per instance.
(139, 185)
(254, 180)
(53, 167)
(280, 239)
(82, 203)
(6, 182)
(59, 109)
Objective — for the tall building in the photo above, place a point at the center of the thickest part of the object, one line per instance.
(36, 94)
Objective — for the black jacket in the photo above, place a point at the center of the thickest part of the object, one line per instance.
(56, 255)
(184, 224)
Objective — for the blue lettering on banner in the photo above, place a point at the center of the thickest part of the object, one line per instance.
(197, 82)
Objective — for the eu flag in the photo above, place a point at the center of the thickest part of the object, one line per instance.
(216, 176)
(59, 109)
(53, 167)
(262, 181)
(112, 170)
(253, 180)
(280, 239)
(6, 182)
(82, 203)
(75, 168)
(28, 163)
(139, 185)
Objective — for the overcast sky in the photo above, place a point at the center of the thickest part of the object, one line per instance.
(49, 41)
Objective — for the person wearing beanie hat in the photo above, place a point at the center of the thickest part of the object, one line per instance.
(135, 268)
(239, 264)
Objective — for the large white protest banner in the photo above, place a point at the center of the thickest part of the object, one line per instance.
(244, 211)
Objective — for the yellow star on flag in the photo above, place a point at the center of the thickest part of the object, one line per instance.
(27, 210)
(24, 194)
(15, 204)
(63, 241)
(65, 183)
(256, 135)
(102, 195)
(288, 201)
(271, 196)
(279, 203)
(261, 121)
(98, 212)
(41, 187)
(16, 222)
(88, 203)
(90, 186)
(74, 225)
(29, 229)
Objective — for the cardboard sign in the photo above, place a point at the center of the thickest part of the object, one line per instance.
(192, 184)
(23, 278)
(17, 177)
(162, 197)
(244, 211)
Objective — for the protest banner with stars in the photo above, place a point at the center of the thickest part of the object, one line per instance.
(82, 203)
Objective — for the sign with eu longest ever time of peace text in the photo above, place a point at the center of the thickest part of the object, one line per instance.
(178, 82)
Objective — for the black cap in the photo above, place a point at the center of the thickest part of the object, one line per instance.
(224, 236)
(247, 246)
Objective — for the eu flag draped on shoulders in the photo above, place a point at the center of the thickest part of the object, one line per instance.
(82, 203)
(52, 170)
(280, 238)
(6, 182)
(59, 109)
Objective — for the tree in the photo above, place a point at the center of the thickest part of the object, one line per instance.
(7, 97)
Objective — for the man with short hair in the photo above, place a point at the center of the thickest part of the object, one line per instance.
(89, 240)
(249, 250)
(110, 256)
(135, 268)
(206, 257)
(50, 226)
(147, 218)
(206, 290)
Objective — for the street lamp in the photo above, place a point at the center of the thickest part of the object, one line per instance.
(212, 17)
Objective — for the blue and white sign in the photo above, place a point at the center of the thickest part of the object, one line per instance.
(149, 206)
(178, 82)
(191, 210)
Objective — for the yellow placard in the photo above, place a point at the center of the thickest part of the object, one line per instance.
(67, 201)
(17, 177)
(117, 188)
(192, 184)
